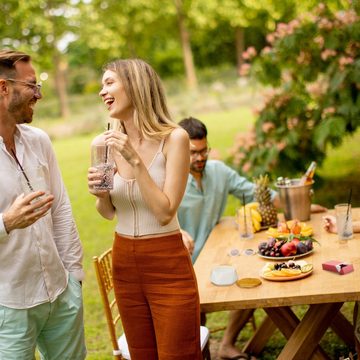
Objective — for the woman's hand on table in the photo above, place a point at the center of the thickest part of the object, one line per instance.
(330, 223)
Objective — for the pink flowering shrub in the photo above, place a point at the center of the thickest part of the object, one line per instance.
(313, 67)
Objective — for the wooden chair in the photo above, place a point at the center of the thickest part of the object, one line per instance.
(103, 271)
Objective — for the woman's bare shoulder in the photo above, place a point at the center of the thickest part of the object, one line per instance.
(176, 141)
(178, 135)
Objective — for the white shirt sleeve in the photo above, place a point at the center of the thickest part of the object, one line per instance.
(3, 232)
(66, 236)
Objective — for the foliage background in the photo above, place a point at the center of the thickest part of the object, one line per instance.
(312, 66)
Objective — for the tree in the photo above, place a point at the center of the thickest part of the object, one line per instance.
(312, 64)
(241, 21)
(186, 45)
(141, 28)
(44, 27)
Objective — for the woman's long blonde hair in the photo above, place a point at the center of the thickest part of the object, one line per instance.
(146, 93)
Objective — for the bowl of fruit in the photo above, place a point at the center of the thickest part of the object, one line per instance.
(290, 240)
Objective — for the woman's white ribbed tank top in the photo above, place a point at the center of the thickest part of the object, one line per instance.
(134, 216)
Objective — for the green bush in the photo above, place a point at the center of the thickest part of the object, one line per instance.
(312, 68)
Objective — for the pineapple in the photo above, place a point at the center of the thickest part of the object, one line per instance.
(266, 208)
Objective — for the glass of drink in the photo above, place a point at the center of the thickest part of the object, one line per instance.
(344, 222)
(33, 179)
(244, 221)
(102, 160)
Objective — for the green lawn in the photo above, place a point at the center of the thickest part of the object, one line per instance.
(97, 233)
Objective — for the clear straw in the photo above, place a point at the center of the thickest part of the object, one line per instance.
(23, 171)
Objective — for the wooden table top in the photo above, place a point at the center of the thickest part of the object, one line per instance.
(320, 287)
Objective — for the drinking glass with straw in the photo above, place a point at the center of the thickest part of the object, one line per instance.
(245, 221)
(102, 160)
(344, 220)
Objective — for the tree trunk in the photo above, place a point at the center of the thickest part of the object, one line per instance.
(186, 47)
(239, 46)
(60, 84)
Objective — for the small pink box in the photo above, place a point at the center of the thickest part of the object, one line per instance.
(339, 267)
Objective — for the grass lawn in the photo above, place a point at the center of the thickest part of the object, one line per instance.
(97, 233)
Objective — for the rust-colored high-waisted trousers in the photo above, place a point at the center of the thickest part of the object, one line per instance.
(157, 295)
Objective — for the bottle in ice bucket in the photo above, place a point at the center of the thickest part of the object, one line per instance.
(307, 178)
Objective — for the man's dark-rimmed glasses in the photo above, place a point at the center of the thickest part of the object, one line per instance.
(203, 153)
(35, 87)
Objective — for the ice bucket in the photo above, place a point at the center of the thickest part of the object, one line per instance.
(295, 200)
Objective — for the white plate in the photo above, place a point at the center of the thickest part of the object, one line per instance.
(286, 257)
(223, 275)
(286, 278)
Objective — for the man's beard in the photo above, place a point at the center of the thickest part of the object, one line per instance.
(198, 169)
(20, 109)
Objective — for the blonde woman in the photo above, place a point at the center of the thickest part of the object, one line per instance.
(154, 281)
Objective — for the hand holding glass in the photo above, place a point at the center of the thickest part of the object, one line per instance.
(33, 179)
(102, 160)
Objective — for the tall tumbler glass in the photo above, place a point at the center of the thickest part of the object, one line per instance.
(344, 222)
(244, 221)
(102, 160)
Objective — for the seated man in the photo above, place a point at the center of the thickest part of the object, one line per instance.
(209, 184)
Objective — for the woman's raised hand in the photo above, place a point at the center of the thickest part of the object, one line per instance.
(120, 145)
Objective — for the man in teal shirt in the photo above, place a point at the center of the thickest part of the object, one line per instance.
(204, 202)
(209, 184)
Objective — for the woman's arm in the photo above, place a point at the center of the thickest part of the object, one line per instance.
(163, 203)
(105, 207)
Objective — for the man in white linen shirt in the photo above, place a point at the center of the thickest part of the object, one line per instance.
(40, 250)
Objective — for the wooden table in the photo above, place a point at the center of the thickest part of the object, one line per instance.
(324, 291)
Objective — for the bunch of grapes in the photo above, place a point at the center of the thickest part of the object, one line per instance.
(288, 265)
(271, 247)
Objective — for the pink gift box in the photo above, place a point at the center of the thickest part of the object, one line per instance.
(339, 267)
